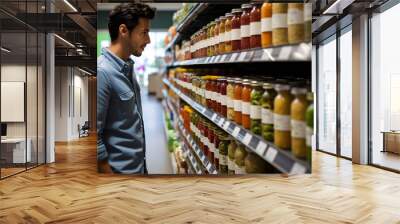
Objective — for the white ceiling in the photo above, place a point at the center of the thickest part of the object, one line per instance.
(158, 6)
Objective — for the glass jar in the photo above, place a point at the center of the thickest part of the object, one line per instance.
(245, 27)
(267, 109)
(228, 30)
(224, 141)
(295, 20)
(309, 125)
(203, 90)
(255, 164)
(209, 92)
(255, 108)
(282, 116)
(223, 96)
(230, 92)
(246, 97)
(222, 35)
(238, 101)
(307, 21)
(298, 109)
(266, 25)
(217, 96)
(205, 134)
(279, 24)
(240, 155)
(235, 33)
(216, 146)
(231, 157)
(208, 39)
(204, 42)
(255, 26)
(216, 37)
(211, 146)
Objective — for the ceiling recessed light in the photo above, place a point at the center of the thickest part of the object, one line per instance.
(5, 50)
(64, 40)
(70, 5)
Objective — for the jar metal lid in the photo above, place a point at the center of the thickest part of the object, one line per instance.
(237, 10)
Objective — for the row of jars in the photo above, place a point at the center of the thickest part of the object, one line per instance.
(270, 108)
(227, 155)
(252, 26)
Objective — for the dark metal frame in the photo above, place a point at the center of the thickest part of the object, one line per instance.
(44, 71)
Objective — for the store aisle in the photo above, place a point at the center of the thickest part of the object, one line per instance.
(158, 159)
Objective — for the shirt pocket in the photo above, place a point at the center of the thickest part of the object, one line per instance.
(126, 101)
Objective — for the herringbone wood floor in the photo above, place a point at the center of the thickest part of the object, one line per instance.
(71, 191)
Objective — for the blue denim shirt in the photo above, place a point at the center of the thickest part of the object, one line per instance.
(120, 130)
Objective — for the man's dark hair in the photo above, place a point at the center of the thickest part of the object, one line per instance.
(129, 15)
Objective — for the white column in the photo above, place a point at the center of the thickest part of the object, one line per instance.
(360, 90)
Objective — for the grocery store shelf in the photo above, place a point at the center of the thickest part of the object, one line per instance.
(191, 160)
(288, 53)
(280, 159)
(206, 164)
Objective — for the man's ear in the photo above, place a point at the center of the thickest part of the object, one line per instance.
(123, 30)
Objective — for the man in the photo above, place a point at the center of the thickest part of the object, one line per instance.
(120, 130)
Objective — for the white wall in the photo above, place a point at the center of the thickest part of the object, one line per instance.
(68, 83)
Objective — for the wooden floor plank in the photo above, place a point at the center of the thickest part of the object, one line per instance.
(71, 191)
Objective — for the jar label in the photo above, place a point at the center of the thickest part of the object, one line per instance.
(279, 20)
(227, 36)
(235, 34)
(231, 164)
(267, 117)
(238, 105)
(216, 153)
(307, 11)
(255, 28)
(266, 24)
(255, 112)
(223, 160)
(298, 128)
(245, 31)
(245, 107)
(207, 94)
(213, 95)
(211, 146)
(281, 122)
(295, 16)
(240, 169)
(309, 133)
(222, 37)
(230, 102)
(223, 100)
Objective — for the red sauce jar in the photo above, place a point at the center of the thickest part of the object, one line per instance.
(223, 97)
(245, 27)
(217, 97)
(255, 26)
(235, 32)
(209, 93)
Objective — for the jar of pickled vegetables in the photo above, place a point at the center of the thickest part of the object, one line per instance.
(295, 23)
(216, 148)
(266, 25)
(238, 101)
(231, 157)
(255, 164)
(267, 110)
(224, 141)
(245, 27)
(205, 134)
(202, 90)
(240, 155)
(246, 97)
(209, 92)
(282, 103)
(298, 122)
(230, 99)
(235, 33)
(279, 24)
(228, 30)
(255, 26)
(255, 108)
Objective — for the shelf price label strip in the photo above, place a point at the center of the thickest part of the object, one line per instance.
(282, 160)
(206, 163)
(192, 160)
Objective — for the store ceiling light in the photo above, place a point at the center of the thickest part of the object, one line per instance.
(86, 72)
(70, 5)
(64, 40)
(337, 7)
(5, 50)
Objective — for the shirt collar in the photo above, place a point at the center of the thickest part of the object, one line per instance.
(122, 66)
